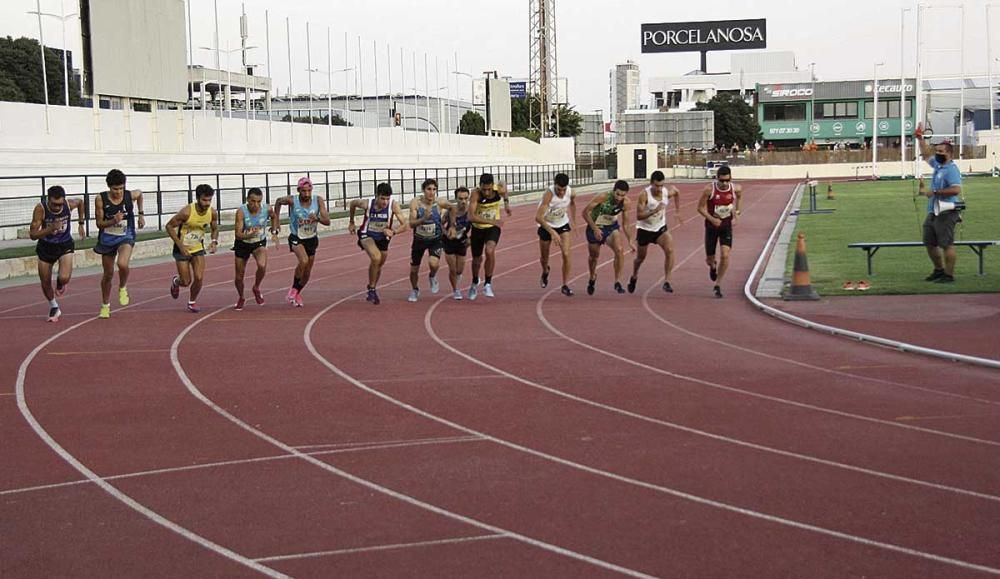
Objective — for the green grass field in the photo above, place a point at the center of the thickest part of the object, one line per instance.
(887, 211)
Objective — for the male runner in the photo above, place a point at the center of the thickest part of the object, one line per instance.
(555, 210)
(720, 206)
(484, 207)
(376, 232)
(187, 229)
(607, 220)
(50, 227)
(115, 211)
(428, 235)
(457, 241)
(304, 212)
(251, 239)
(651, 227)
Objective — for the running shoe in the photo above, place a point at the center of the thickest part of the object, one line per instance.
(258, 297)
(631, 285)
(667, 288)
(935, 275)
(371, 295)
(488, 290)
(619, 288)
(456, 295)
(945, 278)
(375, 299)
(54, 314)
(848, 286)
(123, 298)
(435, 286)
(473, 293)
(717, 291)
(175, 288)
(591, 283)
(193, 307)
(414, 295)
(298, 300)
(545, 278)
(60, 288)
(864, 286)
(105, 311)
(291, 295)
(239, 304)
(713, 274)
(566, 291)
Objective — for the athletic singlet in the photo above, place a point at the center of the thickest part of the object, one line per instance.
(62, 234)
(376, 220)
(657, 220)
(192, 232)
(254, 226)
(721, 203)
(429, 230)
(461, 224)
(488, 209)
(112, 234)
(298, 221)
(557, 213)
(606, 214)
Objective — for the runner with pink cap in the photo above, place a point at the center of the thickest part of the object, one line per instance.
(305, 212)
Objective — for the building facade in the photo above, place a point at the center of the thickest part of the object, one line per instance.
(836, 112)
(625, 88)
(670, 130)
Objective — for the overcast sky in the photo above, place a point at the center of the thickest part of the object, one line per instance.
(843, 37)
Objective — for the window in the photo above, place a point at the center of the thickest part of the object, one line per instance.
(888, 109)
(785, 112)
(848, 110)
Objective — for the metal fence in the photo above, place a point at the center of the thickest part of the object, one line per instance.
(165, 194)
(823, 157)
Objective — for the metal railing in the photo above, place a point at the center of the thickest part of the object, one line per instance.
(823, 157)
(165, 194)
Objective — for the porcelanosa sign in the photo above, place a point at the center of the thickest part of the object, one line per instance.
(703, 36)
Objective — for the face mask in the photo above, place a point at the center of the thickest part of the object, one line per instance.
(941, 158)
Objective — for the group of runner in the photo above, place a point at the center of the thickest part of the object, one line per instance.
(472, 220)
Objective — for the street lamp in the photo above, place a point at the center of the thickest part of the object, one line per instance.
(329, 90)
(63, 17)
(875, 120)
(229, 74)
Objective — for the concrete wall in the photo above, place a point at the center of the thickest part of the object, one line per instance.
(626, 162)
(832, 170)
(89, 141)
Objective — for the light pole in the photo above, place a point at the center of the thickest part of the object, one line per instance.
(902, 89)
(229, 74)
(875, 120)
(41, 45)
(472, 96)
(812, 100)
(329, 89)
(62, 17)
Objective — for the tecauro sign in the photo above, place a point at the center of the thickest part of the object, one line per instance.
(704, 36)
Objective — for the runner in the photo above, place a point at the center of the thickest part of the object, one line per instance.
(457, 242)
(425, 220)
(651, 227)
(187, 229)
(607, 220)
(556, 209)
(304, 212)
(115, 211)
(720, 206)
(50, 227)
(251, 239)
(376, 232)
(484, 207)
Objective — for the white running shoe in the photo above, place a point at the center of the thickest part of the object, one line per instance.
(488, 290)
(473, 293)
(457, 295)
(414, 294)
(435, 286)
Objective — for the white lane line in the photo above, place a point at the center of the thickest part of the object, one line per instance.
(406, 442)
(434, 378)
(392, 547)
(175, 469)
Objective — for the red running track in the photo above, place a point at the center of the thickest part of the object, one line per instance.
(527, 435)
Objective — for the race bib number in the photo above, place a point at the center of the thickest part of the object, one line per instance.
(489, 212)
(604, 220)
(254, 235)
(555, 215)
(427, 230)
(723, 211)
(193, 238)
(376, 226)
(307, 230)
(118, 230)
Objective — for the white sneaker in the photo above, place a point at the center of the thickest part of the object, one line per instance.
(457, 295)
(435, 286)
(488, 290)
(473, 293)
(414, 294)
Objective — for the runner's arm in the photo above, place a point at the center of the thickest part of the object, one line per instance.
(675, 197)
(238, 226)
(640, 209)
(572, 208)
(629, 235)
(414, 220)
(597, 200)
(543, 206)
(502, 189)
(403, 225)
(215, 229)
(286, 200)
(174, 225)
(703, 204)
(352, 209)
(80, 217)
(324, 215)
(99, 214)
(473, 214)
(38, 229)
(137, 199)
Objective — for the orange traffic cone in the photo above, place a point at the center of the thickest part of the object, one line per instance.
(829, 191)
(801, 289)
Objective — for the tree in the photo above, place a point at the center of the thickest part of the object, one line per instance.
(734, 120)
(523, 110)
(21, 73)
(338, 121)
(472, 123)
(570, 121)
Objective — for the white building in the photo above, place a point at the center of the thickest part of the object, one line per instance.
(682, 93)
(625, 88)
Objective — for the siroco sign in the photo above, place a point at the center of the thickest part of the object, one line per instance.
(704, 36)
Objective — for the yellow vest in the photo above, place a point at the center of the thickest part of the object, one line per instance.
(489, 209)
(193, 230)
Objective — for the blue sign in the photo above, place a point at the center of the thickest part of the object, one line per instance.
(518, 90)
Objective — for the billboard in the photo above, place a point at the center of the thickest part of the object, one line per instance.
(137, 48)
(704, 36)
(848, 89)
(498, 112)
(518, 89)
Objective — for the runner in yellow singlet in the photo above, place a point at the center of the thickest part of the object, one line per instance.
(484, 209)
(187, 229)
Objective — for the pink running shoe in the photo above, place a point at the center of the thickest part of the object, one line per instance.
(258, 297)
(239, 305)
(193, 308)
(292, 292)
(298, 300)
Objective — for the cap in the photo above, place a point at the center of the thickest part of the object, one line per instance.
(303, 182)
